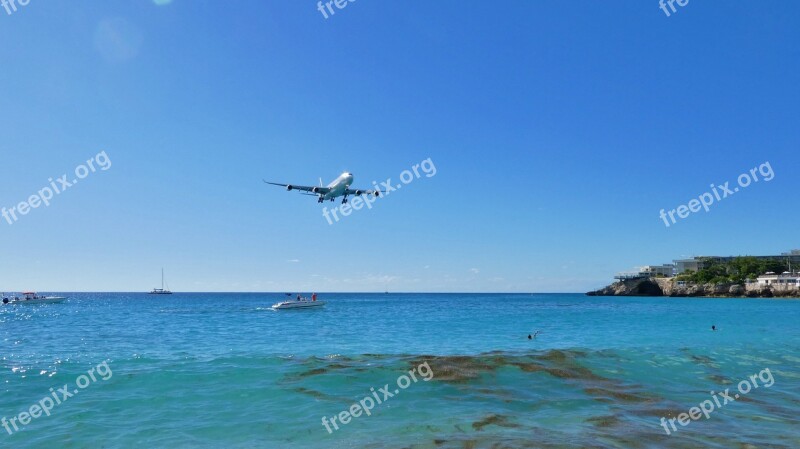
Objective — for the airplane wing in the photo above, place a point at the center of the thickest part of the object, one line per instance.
(290, 187)
(358, 192)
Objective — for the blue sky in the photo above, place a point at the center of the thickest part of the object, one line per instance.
(559, 130)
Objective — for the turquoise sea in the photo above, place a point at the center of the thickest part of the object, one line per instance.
(226, 371)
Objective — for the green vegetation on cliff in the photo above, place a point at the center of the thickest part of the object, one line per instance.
(737, 270)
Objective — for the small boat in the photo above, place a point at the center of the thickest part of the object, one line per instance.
(162, 290)
(33, 298)
(300, 303)
(295, 304)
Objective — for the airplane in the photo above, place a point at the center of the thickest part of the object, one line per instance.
(339, 187)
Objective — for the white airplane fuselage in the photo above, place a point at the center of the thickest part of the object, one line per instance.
(339, 186)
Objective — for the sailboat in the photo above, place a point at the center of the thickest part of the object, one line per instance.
(162, 290)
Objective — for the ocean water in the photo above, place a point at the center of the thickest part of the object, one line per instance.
(226, 371)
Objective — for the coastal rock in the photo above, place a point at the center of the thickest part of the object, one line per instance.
(666, 285)
(695, 290)
(736, 290)
(721, 289)
(669, 287)
(630, 287)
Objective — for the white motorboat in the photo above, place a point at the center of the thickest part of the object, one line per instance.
(302, 303)
(33, 298)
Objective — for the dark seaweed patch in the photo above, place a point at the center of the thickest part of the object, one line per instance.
(619, 396)
(604, 421)
(493, 420)
(456, 369)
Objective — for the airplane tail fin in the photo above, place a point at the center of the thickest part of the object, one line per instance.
(320, 182)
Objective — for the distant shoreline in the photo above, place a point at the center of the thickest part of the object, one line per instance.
(669, 287)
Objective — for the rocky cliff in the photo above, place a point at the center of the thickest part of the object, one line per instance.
(668, 287)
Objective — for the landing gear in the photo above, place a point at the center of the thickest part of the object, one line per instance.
(320, 200)
(344, 200)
